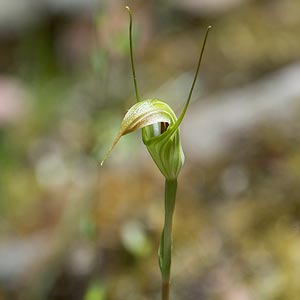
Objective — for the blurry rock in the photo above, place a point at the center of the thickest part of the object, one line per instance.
(206, 7)
(13, 102)
(213, 124)
(70, 6)
(51, 171)
(15, 14)
(82, 259)
(18, 255)
(234, 180)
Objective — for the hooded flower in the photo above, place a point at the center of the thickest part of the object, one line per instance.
(160, 134)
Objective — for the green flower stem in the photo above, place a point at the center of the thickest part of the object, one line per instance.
(165, 248)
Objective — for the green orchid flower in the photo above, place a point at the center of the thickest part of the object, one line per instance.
(161, 136)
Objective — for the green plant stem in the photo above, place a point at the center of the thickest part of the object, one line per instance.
(165, 248)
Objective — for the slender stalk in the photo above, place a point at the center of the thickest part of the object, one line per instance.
(165, 248)
(131, 55)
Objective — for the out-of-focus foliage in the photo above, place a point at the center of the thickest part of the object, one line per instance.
(72, 230)
(95, 291)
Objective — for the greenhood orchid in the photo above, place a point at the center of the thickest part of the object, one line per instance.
(160, 133)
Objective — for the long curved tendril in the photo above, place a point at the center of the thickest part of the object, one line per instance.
(194, 81)
(131, 55)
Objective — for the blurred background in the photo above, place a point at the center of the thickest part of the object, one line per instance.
(72, 230)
